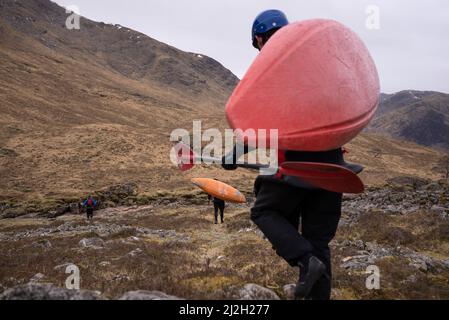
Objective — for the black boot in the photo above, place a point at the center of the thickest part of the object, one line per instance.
(311, 271)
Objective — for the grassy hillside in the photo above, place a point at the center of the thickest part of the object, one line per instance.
(86, 109)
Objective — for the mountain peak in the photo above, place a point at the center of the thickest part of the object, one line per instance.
(418, 116)
(120, 49)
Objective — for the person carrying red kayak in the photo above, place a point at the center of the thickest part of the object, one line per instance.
(283, 204)
(90, 204)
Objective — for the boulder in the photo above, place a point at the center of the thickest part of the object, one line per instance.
(14, 213)
(414, 182)
(289, 291)
(92, 243)
(438, 210)
(37, 278)
(147, 295)
(255, 292)
(42, 244)
(135, 253)
(32, 291)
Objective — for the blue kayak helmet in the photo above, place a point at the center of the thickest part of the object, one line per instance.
(266, 21)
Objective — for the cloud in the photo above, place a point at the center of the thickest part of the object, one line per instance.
(410, 48)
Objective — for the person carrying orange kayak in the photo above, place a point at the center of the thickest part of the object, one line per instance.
(219, 206)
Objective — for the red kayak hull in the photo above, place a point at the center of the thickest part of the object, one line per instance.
(314, 81)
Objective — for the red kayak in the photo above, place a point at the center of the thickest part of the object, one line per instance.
(314, 81)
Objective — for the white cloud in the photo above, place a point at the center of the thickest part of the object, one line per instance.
(410, 49)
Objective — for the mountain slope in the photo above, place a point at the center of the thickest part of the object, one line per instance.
(36, 45)
(420, 117)
(86, 109)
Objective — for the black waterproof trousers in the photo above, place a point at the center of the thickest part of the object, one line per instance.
(278, 210)
(219, 206)
(90, 212)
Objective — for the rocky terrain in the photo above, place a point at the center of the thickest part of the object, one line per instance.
(170, 248)
(403, 229)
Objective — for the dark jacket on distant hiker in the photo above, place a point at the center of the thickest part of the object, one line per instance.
(219, 205)
(90, 203)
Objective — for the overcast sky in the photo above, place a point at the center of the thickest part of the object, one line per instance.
(411, 48)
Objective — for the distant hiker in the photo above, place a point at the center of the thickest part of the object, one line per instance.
(283, 203)
(219, 205)
(90, 204)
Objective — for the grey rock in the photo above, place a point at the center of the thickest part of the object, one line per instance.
(445, 264)
(92, 243)
(255, 292)
(420, 261)
(62, 266)
(289, 291)
(135, 253)
(432, 187)
(438, 210)
(37, 278)
(34, 291)
(357, 264)
(121, 277)
(147, 295)
(14, 213)
(414, 182)
(420, 265)
(46, 244)
(359, 244)
(410, 279)
(344, 222)
(66, 229)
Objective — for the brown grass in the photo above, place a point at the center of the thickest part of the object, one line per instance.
(216, 259)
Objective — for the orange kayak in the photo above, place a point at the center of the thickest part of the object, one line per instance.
(315, 81)
(219, 190)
